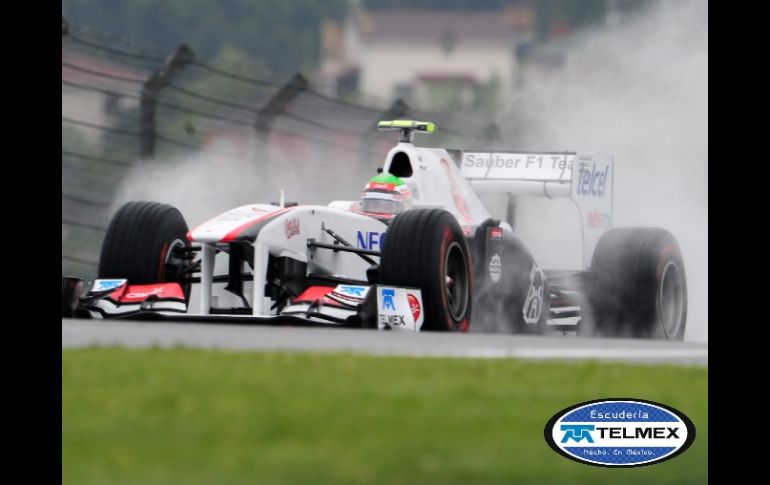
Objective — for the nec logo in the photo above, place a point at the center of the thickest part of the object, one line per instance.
(387, 299)
(371, 240)
(577, 432)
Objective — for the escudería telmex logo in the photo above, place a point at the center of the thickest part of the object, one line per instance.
(619, 432)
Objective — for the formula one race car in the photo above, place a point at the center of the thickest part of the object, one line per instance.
(419, 251)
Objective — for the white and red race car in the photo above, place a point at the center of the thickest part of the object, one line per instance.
(442, 265)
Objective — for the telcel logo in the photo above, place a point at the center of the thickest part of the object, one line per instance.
(593, 181)
(619, 432)
(144, 294)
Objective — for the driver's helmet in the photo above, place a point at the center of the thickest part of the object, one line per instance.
(385, 195)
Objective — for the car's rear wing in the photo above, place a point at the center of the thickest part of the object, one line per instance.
(585, 177)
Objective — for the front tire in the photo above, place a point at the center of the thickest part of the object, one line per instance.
(140, 242)
(637, 285)
(426, 249)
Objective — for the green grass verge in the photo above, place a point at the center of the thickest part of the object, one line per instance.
(195, 416)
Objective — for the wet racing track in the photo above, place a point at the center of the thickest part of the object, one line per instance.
(85, 333)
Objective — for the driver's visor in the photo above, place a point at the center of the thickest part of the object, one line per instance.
(382, 206)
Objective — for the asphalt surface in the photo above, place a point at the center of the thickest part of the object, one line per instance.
(87, 333)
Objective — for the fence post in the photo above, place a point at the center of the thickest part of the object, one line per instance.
(274, 107)
(398, 109)
(151, 90)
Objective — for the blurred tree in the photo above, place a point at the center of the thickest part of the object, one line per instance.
(553, 17)
(281, 36)
(439, 4)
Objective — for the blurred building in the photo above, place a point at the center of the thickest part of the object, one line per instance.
(432, 59)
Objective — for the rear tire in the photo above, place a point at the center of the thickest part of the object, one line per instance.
(139, 244)
(422, 248)
(636, 285)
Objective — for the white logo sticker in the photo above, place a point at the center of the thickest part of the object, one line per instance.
(495, 268)
(399, 308)
(106, 285)
(533, 305)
